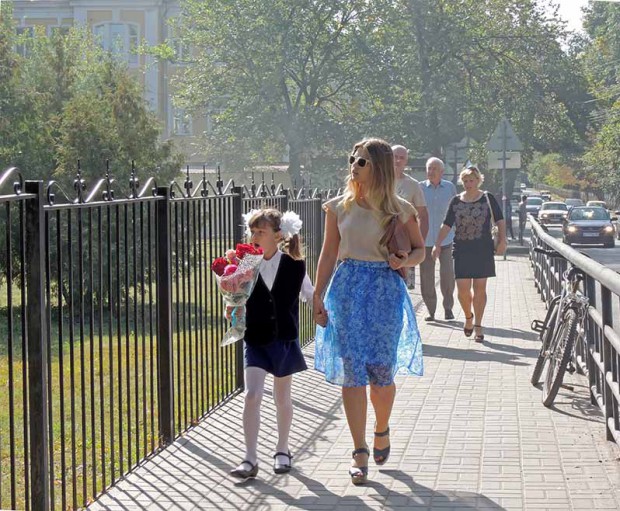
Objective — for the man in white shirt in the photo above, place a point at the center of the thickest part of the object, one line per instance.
(409, 189)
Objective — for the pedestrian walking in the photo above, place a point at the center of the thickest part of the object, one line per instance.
(522, 217)
(367, 329)
(438, 193)
(409, 189)
(271, 342)
(508, 219)
(471, 213)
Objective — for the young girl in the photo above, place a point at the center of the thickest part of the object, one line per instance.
(272, 330)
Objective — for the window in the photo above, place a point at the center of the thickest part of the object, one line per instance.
(182, 51)
(120, 39)
(181, 122)
(24, 40)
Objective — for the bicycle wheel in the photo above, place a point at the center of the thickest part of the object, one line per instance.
(545, 337)
(560, 352)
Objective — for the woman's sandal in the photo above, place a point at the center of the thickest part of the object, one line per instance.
(479, 337)
(381, 455)
(468, 331)
(359, 475)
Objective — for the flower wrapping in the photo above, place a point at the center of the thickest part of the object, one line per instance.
(236, 274)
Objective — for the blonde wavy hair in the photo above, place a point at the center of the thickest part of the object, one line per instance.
(380, 194)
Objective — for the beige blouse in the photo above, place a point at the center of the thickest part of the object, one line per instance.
(361, 231)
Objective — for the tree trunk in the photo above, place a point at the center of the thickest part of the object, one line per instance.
(431, 116)
(294, 159)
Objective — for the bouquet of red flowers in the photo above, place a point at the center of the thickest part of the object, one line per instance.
(236, 274)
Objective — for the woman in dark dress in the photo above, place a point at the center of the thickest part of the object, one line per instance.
(472, 213)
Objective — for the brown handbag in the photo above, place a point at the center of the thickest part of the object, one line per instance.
(396, 238)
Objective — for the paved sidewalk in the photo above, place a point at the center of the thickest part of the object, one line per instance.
(470, 434)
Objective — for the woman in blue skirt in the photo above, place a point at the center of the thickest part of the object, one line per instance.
(367, 331)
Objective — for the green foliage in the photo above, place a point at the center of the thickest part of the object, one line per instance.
(552, 169)
(312, 77)
(67, 100)
(602, 64)
(276, 74)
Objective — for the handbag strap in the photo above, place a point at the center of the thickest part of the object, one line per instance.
(486, 195)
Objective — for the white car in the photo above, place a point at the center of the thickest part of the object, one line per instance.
(552, 213)
(599, 203)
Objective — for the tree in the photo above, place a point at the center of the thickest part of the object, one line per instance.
(70, 100)
(601, 56)
(320, 74)
(277, 75)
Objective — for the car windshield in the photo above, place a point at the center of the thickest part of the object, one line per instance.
(534, 201)
(574, 202)
(555, 205)
(589, 214)
(596, 203)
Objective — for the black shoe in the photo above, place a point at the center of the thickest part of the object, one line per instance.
(429, 318)
(359, 475)
(244, 474)
(449, 314)
(282, 468)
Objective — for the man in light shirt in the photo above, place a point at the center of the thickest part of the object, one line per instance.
(409, 189)
(438, 193)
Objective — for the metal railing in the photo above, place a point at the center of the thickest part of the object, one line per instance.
(113, 322)
(598, 348)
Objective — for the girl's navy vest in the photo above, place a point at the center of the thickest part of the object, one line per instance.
(274, 315)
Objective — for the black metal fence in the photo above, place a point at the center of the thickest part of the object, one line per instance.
(598, 349)
(111, 322)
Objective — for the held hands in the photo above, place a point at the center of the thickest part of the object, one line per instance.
(398, 260)
(318, 311)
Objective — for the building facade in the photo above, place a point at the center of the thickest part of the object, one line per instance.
(121, 25)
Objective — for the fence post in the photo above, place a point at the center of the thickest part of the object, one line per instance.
(238, 232)
(285, 193)
(608, 356)
(36, 335)
(164, 314)
(590, 291)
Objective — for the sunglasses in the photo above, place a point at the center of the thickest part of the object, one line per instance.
(360, 161)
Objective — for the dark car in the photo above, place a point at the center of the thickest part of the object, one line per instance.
(552, 213)
(533, 205)
(588, 225)
(571, 203)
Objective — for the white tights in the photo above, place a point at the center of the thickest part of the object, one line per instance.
(255, 386)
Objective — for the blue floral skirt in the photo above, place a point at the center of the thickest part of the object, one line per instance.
(371, 333)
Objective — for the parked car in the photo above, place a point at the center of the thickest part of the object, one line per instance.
(588, 225)
(571, 203)
(552, 213)
(533, 205)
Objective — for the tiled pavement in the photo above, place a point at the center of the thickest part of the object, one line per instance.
(470, 434)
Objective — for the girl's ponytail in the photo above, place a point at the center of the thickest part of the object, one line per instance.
(290, 225)
(293, 247)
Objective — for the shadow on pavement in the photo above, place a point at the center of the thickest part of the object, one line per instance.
(483, 354)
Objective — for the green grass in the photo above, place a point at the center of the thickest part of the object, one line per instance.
(109, 404)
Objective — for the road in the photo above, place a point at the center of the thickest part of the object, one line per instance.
(609, 257)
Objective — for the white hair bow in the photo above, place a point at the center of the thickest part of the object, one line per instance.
(246, 221)
(290, 224)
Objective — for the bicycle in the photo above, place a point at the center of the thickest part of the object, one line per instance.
(558, 332)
